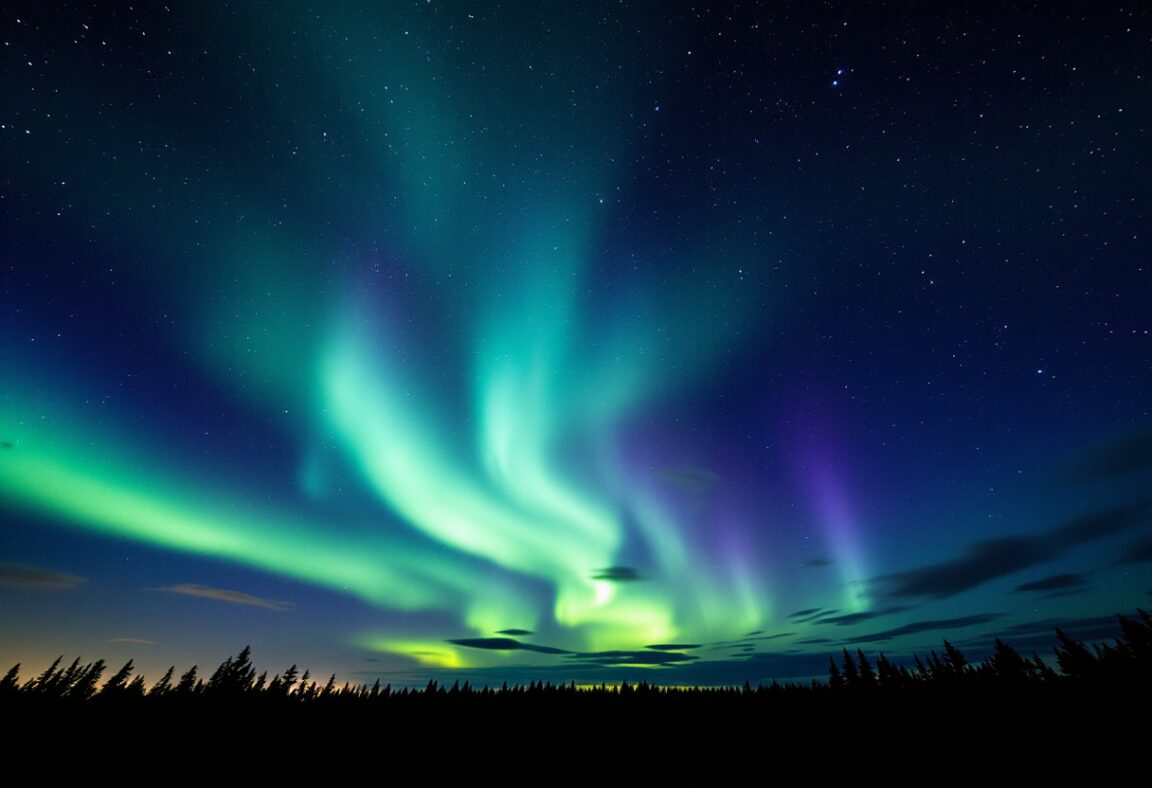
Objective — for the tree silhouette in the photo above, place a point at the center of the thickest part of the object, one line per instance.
(117, 685)
(10, 683)
(86, 687)
(835, 679)
(867, 674)
(1136, 636)
(956, 661)
(851, 674)
(234, 676)
(1042, 670)
(1007, 665)
(306, 690)
(44, 680)
(1074, 658)
(164, 685)
(188, 683)
(59, 685)
(282, 685)
(136, 688)
(887, 673)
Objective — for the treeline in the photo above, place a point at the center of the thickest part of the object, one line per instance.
(1126, 662)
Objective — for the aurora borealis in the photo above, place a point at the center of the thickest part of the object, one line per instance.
(526, 340)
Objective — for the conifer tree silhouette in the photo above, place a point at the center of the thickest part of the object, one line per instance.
(62, 682)
(307, 689)
(118, 683)
(44, 679)
(835, 679)
(11, 681)
(136, 688)
(288, 680)
(922, 673)
(851, 674)
(85, 687)
(234, 677)
(957, 662)
(164, 685)
(867, 674)
(1137, 635)
(1007, 665)
(188, 683)
(1042, 670)
(886, 672)
(1074, 658)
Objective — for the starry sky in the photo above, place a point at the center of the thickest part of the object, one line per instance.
(579, 342)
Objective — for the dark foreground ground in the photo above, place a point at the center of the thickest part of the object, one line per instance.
(1074, 736)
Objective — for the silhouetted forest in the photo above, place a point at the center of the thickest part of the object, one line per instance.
(940, 718)
(1125, 663)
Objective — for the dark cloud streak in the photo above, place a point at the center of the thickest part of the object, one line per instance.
(994, 558)
(1053, 583)
(608, 658)
(618, 574)
(918, 627)
(1138, 552)
(1127, 456)
(506, 644)
(849, 619)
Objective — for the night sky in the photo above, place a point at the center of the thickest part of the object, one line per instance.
(571, 341)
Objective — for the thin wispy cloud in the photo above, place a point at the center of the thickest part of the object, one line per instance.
(224, 595)
(37, 578)
(692, 479)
